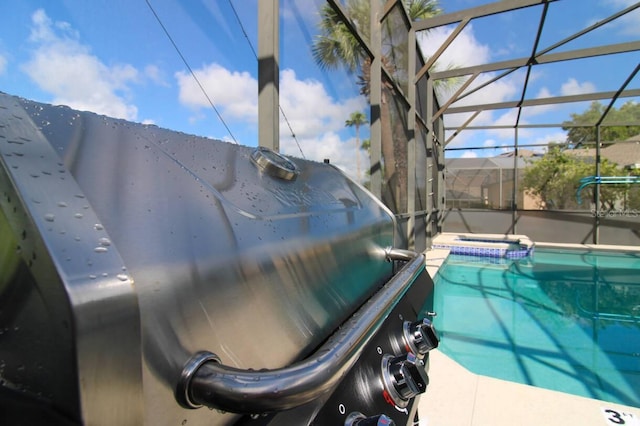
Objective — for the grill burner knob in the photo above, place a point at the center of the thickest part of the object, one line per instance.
(404, 377)
(420, 336)
(359, 419)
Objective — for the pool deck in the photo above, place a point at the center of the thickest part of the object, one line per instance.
(457, 397)
(600, 247)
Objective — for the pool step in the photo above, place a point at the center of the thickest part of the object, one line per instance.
(487, 245)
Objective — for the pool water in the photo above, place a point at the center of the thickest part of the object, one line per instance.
(562, 320)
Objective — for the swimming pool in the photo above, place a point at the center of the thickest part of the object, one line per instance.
(564, 320)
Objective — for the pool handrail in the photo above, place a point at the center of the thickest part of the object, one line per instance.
(604, 180)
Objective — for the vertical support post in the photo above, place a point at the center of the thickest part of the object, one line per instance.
(433, 173)
(596, 191)
(268, 74)
(514, 193)
(375, 98)
(500, 189)
(411, 146)
(441, 175)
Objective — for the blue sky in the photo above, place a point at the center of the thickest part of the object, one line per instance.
(113, 58)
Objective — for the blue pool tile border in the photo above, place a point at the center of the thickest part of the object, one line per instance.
(505, 252)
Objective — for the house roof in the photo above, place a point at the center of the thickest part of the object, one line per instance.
(622, 153)
(500, 162)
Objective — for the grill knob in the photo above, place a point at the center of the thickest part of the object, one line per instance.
(420, 336)
(404, 377)
(359, 419)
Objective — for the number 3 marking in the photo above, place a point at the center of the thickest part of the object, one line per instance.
(615, 417)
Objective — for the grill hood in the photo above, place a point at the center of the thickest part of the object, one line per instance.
(127, 248)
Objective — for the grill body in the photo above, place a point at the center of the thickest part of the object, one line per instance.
(127, 248)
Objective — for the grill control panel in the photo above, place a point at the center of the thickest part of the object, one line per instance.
(420, 336)
(381, 389)
(404, 377)
(359, 419)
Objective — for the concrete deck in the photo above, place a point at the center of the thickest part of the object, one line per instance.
(457, 397)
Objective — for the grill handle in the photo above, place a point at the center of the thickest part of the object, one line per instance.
(206, 381)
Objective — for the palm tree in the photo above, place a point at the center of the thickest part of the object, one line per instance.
(422, 9)
(336, 47)
(356, 120)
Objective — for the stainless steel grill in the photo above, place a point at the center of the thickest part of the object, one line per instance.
(146, 273)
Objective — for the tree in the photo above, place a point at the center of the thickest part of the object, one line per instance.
(555, 178)
(580, 136)
(336, 46)
(356, 120)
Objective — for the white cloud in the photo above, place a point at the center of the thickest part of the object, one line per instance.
(507, 118)
(543, 93)
(469, 154)
(573, 87)
(549, 137)
(497, 150)
(628, 24)
(341, 154)
(65, 68)
(464, 51)
(505, 89)
(530, 112)
(502, 90)
(3, 64)
(467, 51)
(234, 93)
(568, 88)
(315, 117)
(156, 75)
(310, 109)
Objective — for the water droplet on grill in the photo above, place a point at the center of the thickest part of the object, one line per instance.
(49, 217)
(101, 249)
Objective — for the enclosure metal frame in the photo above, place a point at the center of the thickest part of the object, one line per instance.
(537, 57)
(435, 117)
(417, 237)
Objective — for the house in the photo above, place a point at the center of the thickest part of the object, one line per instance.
(625, 154)
(487, 182)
